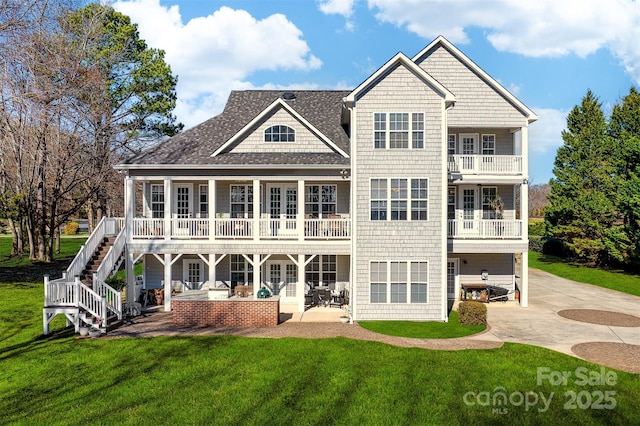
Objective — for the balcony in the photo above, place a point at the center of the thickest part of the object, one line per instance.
(485, 164)
(282, 228)
(485, 229)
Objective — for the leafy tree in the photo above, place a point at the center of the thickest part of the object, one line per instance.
(583, 199)
(624, 130)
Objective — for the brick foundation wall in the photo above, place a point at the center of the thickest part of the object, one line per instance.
(236, 313)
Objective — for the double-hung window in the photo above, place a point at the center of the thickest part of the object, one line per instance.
(241, 271)
(399, 199)
(398, 130)
(157, 201)
(398, 282)
(488, 144)
(320, 200)
(241, 201)
(489, 194)
(321, 270)
(203, 201)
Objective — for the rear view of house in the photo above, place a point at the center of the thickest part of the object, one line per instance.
(391, 198)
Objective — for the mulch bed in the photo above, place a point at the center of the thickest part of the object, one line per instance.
(621, 356)
(592, 316)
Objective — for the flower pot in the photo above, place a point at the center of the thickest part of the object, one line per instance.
(84, 331)
(95, 333)
(344, 320)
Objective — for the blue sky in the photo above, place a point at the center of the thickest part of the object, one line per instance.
(546, 52)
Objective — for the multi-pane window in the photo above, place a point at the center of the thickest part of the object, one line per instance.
(401, 129)
(419, 282)
(394, 199)
(279, 134)
(241, 201)
(398, 272)
(320, 200)
(399, 197)
(488, 144)
(321, 270)
(451, 145)
(380, 130)
(451, 203)
(419, 196)
(241, 271)
(398, 282)
(203, 199)
(378, 278)
(417, 130)
(378, 199)
(489, 194)
(157, 201)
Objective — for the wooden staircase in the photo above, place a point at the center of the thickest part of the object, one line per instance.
(86, 277)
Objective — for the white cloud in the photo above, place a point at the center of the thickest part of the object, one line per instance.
(540, 28)
(546, 133)
(338, 7)
(215, 53)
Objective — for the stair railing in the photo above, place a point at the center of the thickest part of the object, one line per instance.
(92, 303)
(112, 297)
(86, 250)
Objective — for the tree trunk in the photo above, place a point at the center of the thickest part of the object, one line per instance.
(17, 247)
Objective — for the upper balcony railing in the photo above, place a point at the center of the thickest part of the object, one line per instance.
(281, 228)
(486, 164)
(485, 229)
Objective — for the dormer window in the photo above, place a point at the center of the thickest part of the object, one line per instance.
(279, 134)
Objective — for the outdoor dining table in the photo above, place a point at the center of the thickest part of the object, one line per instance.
(321, 295)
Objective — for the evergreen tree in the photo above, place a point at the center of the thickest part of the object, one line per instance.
(583, 199)
(624, 129)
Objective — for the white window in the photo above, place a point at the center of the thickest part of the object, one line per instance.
(320, 200)
(451, 146)
(392, 199)
(489, 194)
(203, 201)
(241, 271)
(279, 134)
(398, 282)
(241, 201)
(321, 270)
(157, 201)
(193, 273)
(488, 144)
(398, 130)
(451, 203)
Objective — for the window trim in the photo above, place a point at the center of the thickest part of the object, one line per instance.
(320, 260)
(493, 142)
(409, 281)
(203, 190)
(320, 203)
(392, 204)
(288, 132)
(382, 130)
(157, 203)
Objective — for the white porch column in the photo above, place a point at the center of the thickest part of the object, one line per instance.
(301, 288)
(300, 217)
(256, 272)
(212, 270)
(524, 280)
(167, 282)
(256, 216)
(130, 274)
(129, 206)
(211, 196)
(167, 208)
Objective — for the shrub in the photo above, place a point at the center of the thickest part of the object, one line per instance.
(71, 228)
(536, 243)
(116, 282)
(472, 313)
(537, 227)
(554, 247)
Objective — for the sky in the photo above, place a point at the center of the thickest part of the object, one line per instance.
(548, 53)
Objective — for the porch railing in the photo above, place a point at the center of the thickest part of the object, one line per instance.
(486, 228)
(243, 228)
(486, 164)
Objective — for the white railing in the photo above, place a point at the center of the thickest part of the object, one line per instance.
(92, 303)
(106, 226)
(486, 164)
(192, 228)
(244, 228)
(112, 297)
(233, 228)
(327, 228)
(147, 228)
(486, 228)
(62, 293)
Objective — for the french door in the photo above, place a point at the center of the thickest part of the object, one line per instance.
(182, 208)
(469, 211)
(283, 209)
(469, 149)
(282, 279)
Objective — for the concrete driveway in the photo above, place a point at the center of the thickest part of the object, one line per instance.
(540, 324)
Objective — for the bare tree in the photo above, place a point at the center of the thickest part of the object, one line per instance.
(538, 199)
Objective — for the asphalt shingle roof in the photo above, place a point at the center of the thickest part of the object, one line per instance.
(322, 109)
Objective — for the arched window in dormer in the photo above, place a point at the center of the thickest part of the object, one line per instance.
(279, 134)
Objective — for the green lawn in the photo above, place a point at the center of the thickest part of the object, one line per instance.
(614, 280)
(425, 330)
(235, 380)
